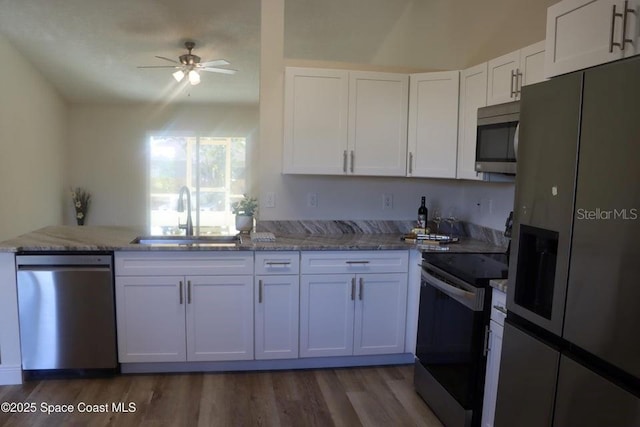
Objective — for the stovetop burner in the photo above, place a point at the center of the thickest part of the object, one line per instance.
(475, 269)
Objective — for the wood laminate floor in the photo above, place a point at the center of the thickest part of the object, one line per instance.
(372, 396)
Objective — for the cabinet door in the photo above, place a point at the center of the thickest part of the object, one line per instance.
(433, 124)
(633, 29)
(150, 314)
(315, 121)
(492, 375)
(580, 33)
(380, 314)
(473, 95)
(219, 318)
(276, 316)
(502, 85)
(326, 314)
(378, 109)
(532, 64)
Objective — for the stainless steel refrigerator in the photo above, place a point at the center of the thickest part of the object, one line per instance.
(571, 349)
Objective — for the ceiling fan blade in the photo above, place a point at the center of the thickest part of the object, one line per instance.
(218, 70)
(157, 66)
(215, 63)
(167, 59)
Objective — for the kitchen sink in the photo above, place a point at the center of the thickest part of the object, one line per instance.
(187, 240)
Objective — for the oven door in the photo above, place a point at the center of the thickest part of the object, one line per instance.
(450, 348)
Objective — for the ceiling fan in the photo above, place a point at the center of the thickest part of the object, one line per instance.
(189, 65)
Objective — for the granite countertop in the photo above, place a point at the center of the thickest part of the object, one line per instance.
(103, 238)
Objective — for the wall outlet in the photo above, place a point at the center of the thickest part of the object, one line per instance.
(270, 200)
(387, 201)
(312, 200)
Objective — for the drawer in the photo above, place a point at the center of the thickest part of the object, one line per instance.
(277, 263)
(163, 263)
(498, 303)
(336, 262)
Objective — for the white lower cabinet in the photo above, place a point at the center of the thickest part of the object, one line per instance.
(219, 313)
(180, 317)
(276, 316)
(151, 319)
(496, 328)
(277, 302)
(353, 313)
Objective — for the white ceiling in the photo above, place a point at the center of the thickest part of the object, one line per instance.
(89, 49)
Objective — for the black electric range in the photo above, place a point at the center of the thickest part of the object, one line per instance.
(453, 322)
(474, 269)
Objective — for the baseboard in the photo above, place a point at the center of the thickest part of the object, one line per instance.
(10, 375)
(262, 365)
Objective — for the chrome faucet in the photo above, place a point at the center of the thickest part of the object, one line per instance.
(189, 225)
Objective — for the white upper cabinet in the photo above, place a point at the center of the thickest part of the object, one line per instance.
(345, 122)
(315, 121)
(433, 124)
(378, 105)
(584, 33)
(473, 95)
(508, 73)
(503, 78)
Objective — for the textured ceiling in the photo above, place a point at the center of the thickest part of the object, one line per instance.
(89, 49)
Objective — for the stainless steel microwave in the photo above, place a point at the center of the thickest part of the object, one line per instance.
(497, 138)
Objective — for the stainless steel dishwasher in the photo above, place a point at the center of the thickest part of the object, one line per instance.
(67, 313)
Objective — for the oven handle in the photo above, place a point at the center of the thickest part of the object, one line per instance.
(447, 288)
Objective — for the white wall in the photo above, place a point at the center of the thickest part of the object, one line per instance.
(350, 197)
(107, 151)
(33, 124)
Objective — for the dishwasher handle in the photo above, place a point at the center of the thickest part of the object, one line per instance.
(38, 262)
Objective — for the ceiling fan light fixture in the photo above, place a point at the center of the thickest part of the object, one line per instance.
(178, 75)
(194, 77)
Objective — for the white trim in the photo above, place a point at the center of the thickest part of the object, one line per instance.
(10, 375)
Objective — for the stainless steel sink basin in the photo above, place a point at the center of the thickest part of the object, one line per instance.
(187, 240)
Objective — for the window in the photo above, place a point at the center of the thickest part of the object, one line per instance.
(212, 168)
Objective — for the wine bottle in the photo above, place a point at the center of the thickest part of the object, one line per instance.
(422, 214)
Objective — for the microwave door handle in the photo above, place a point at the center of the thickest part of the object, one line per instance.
(516, 141)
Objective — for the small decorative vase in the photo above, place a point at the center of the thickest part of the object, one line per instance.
(244, 223)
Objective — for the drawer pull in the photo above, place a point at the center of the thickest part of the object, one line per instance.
(357, 262)
(272, 263)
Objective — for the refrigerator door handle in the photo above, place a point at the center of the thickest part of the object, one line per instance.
(515, 141)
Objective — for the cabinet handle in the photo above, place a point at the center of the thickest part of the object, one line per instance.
(410, 163)
(513, 78)
(357, 262)
(353, 160)
(518, 81)
(487, 332)
(188, 291)
(614, 15)
(271, 263)
(501, 309)
(353, 289)
(361, 293)
(181, 294)
(626, 12)
(259, 291)
(344, 161)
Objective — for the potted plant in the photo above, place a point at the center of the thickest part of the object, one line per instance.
(244, 210)
(81, 199)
